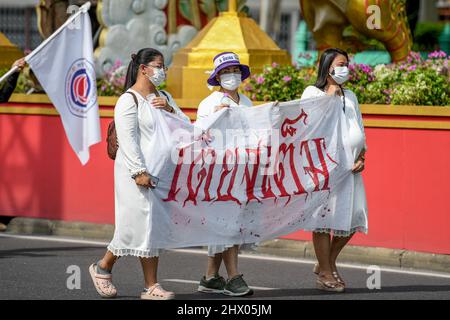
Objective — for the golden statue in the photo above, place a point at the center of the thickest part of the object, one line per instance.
(51, 14)
(383, 20)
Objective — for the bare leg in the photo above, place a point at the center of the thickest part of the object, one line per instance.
(322, 246)
(214, 265)
(108, 261)
(150, 269)
(337, 244)
(230, 259)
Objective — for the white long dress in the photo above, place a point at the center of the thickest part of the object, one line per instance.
(133, 204)
(357, 140)
(206, 108)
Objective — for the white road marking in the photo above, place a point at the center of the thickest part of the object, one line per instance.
(196, 282)
(245, 256)
(55, 239)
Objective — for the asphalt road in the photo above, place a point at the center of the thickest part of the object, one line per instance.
(36, 268)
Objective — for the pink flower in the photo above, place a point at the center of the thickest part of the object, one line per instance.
(412, 68)
(254, 97)
(437, 55)
(260, 80)
(274, 65)
(414, 57)
(365, 68)
(117, 64)
(287, 78)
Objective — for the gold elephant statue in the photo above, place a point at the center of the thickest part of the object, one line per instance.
(327, 20)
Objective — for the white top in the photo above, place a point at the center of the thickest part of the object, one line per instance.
(353, 114)
(357, 140)
(135, 126)
(206, 107)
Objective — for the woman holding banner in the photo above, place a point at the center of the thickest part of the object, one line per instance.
(135, 122)
(228, 74)
(333, 72)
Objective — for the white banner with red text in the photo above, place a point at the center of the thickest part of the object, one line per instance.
(245, 175)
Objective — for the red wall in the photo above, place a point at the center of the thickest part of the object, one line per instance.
(406, 180)
(41, 177)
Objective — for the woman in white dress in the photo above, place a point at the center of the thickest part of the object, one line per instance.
(333, 72)
(228, 74)
(133, 182)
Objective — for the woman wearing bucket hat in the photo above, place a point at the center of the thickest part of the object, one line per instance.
(228, 74)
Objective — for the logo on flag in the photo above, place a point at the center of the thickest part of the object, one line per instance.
(80, 92)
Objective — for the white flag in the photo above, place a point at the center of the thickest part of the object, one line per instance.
(65, 68)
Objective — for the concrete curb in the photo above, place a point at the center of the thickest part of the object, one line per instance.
(81, 230)
(398, 258)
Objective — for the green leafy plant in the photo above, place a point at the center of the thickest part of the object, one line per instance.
(279, 82)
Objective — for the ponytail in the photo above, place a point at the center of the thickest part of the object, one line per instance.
(144, 56)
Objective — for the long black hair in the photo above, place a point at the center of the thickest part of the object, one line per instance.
(144, 56)
(326, 60)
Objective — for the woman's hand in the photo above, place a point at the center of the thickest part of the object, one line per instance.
(162, 103)
(221, 106)
(144, 180)
(359, 165)
(20, 64)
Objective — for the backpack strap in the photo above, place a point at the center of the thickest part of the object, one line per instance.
(168, 100)
(165, 94)
(134, 98)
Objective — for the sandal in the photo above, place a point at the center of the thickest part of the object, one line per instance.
(156, 292)
(102, 283)
(338, 278)
(335, 274)
(330, 286)
(316, 269)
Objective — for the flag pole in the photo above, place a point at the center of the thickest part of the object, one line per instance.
(10, 72)
(84, 8)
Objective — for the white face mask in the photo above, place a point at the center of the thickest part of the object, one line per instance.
(230, 81)
(341, 74)
(158, 76)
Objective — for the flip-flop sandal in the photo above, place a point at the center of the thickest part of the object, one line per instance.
(156, 292)
(102, 283)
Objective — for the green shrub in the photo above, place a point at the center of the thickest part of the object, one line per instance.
(279, 82)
